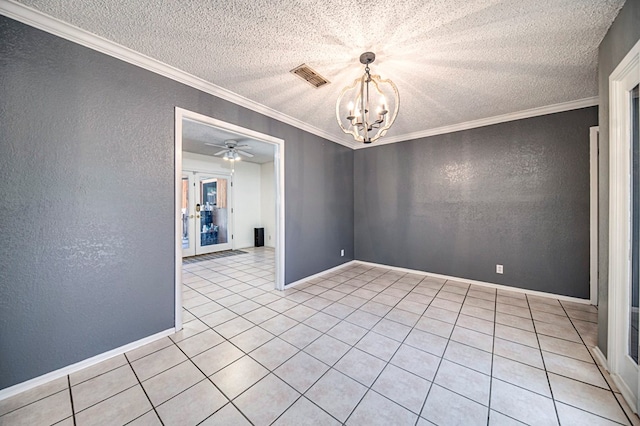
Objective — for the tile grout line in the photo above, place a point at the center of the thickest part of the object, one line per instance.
(544, 364)
(396, 351)
(370, 387)
(368, 300)
(493, 350)
(143, 389)
(230, 401)
(331, 367)
(237, 266)
(597, 365)
(104, 399)
(495, 322)
(435, 374)
(513, 360)
(352, 346)
(247, 354)
(73, 411)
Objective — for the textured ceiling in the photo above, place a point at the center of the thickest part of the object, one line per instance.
(453, 60)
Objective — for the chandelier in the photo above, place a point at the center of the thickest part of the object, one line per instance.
(367, 108)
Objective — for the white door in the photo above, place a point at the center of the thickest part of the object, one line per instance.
(207, 216)
(624, 261)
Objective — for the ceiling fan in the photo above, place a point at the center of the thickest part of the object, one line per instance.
(231, 150)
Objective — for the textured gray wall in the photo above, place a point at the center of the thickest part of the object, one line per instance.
(623, 34)
(86, 165)
(319, 199)
(514, 193)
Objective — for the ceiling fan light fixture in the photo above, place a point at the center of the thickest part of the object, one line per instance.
(368, 107)
(230, 150)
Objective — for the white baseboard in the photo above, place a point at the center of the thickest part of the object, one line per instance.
(445, 277)
(626, 393)
(480, 283)
(70, 369)
(617, 380)
(600, 358)
(319, 274)
(37, 381)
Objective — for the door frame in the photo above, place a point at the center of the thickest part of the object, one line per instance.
(593, 216)
(278, 160)
(619, 223)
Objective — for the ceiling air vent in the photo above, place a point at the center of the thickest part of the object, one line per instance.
(310, 76)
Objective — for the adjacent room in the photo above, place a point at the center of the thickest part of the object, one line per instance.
(268, 213)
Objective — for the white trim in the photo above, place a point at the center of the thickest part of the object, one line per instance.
(37, 19)
(278, 168)
(178, 226)
(600, 358)
(480, 283)
(319, 274)
(70, 369)
(619, 220)
(593, 216)
(513, 116)
(279, 144)
(51, 25)
(627, 394)
(617, 380)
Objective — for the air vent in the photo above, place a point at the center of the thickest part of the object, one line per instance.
(310, 76)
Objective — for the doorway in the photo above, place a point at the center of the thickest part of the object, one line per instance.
(624, 227)
(182, 117)
(205, 209)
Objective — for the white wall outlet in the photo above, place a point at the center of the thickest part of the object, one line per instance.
(499, 269)
(342, 252)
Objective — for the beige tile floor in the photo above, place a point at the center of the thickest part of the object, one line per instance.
(359, 346)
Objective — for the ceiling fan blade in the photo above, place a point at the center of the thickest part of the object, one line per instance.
(243, 147)
(213, 144)
(246, 154)
(220, 152)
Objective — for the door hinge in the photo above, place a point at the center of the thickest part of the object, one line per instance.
(232, 236)
(231, 210)
(232, 184)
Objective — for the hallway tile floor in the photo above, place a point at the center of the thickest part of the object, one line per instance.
(357, 346)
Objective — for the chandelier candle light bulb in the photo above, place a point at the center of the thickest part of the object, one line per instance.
(367, 91)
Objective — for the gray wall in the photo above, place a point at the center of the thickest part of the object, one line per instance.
(87, 168)
(623, 34)
(514, 193)
(319, 199)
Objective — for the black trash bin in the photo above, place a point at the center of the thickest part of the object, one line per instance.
(259, 236)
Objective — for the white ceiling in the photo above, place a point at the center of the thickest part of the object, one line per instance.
(195, 135)
(453, 61)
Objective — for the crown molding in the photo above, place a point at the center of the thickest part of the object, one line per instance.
(533, 112)
(51, 25)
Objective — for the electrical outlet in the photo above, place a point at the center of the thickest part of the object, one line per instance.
(499, 269)
(342, 252)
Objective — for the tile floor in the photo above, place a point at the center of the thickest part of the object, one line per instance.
(359, 346)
